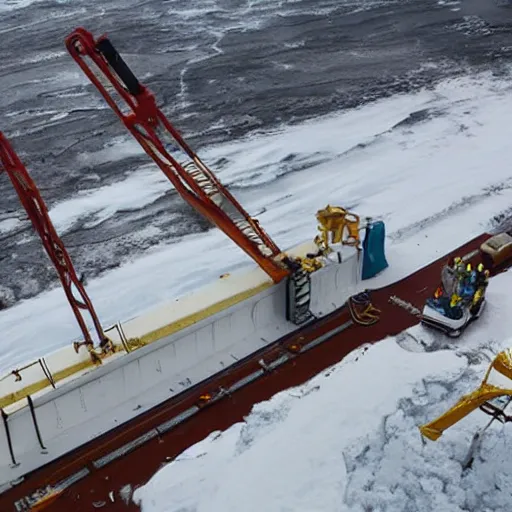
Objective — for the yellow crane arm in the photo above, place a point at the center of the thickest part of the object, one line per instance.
(496, 383)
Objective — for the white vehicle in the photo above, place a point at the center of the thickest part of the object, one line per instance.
(452, 327)
(453, 316)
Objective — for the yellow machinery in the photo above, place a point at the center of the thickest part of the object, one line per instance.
(335, 221)
(341, 225)
(496, 384)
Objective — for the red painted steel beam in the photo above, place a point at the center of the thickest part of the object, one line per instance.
(37, 212)
(136, 106)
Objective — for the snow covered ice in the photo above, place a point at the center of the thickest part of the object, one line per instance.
(347, 440)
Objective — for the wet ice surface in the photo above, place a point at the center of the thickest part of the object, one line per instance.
(348, 439)
(222, 69)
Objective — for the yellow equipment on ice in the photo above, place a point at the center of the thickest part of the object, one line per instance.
(496, 383)
(335, 221)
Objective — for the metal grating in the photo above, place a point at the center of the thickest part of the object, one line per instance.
(128, 447)
(70, 480)
(326, 336)
(279, 361)
(167, 425)
(246, 380)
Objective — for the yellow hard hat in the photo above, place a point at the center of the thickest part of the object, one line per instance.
(457, 259)
(480, 267)
(468, 267)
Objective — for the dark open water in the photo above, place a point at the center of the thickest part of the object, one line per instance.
(222, 68)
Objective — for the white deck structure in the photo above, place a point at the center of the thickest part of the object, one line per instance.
(158, 355)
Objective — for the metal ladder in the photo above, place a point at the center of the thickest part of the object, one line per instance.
(299, 297)
(216, 196)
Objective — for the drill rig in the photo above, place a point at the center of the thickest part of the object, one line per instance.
(37, 212)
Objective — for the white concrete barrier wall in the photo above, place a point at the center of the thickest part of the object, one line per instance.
(219, 290)
(171, 311)
(80, 410)
(333, 284)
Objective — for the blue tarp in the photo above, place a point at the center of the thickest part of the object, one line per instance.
(374, 258)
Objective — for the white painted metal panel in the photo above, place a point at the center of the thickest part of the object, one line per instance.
(333, 284)
(129, 385)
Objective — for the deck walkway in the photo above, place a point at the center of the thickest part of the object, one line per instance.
(293, 367)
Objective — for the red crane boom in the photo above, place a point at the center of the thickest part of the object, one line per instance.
(136, 107)
(37, 211)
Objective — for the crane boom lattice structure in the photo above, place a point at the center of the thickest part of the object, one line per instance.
(37, 211)
(136, 107)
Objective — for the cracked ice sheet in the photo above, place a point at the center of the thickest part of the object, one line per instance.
(347, 440)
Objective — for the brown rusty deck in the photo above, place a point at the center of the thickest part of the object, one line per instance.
(136, 467)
